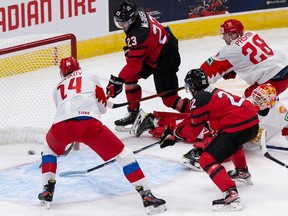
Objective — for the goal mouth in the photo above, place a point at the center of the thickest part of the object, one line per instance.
(29, 73)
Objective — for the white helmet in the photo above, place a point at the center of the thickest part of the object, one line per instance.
(264, 96)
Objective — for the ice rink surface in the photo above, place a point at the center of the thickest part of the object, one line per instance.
(105, 192)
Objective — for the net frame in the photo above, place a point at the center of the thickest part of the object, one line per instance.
(19, 86)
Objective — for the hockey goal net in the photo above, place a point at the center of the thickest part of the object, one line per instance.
(28, 74)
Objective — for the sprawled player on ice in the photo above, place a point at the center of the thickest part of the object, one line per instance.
(80, 101)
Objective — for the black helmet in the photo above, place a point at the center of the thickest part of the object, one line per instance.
(126, 12)
(195, 80)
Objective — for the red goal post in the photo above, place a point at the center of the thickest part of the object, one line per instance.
(28, 74)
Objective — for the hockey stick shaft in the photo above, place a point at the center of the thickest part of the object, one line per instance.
(75, 172)
(65, 153)
(114, 105)
(266, 153)
(277, 147)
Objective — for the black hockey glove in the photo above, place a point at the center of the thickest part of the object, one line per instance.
(115, 86)
(126, 50)
(169, 138)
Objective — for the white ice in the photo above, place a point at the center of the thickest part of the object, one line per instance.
(186, 192)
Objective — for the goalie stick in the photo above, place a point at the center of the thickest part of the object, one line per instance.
(266, 153)
(75, 172)
(277, 147)
(115, 105)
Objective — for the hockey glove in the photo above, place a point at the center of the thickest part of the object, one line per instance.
(115, 86)
(204, 143)
(230, 75)
(126, 50)
(169, 138)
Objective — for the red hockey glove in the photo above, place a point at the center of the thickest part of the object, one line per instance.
(204, 143)
(285, 132)
(230, 75)
(100, 95)
(115, 86)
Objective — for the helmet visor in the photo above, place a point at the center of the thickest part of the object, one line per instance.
(120, 24)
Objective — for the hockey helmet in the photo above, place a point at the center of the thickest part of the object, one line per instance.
(264, 96)
(68, 65)
(231, 26)
(125, 13)
(195, 80)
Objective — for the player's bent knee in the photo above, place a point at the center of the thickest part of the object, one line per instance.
(48, 151)
(125, 157)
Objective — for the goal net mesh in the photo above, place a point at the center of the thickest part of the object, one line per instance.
(28, 74)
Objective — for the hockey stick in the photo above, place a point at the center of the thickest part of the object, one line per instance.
(114, 105)
(277, 147)
(65, 153)
(75, 172)
(266, 153)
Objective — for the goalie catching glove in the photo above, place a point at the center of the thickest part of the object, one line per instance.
(169, 138)
(115, 86)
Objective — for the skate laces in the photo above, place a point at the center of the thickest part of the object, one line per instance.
(240, 173)
(230, 195)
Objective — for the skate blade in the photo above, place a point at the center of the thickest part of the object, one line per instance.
(139, 118)
(45, 204)
(123, 128)
(155, 210)
(244, 181)
(234, 206)
(186, 162)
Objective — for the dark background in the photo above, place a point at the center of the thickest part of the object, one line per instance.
(173, 10)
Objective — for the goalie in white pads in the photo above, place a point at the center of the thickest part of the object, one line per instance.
(273, 114)
(80, 100)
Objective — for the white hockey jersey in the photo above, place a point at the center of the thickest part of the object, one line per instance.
(75, 96)
(250, 57)
(274, 121)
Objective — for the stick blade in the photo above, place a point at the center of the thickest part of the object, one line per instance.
(69, 173)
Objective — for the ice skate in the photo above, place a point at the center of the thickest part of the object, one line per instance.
(230, 202)
(152, 204)
(191, 159)
(241, 175)
(139, 118)
(146, 123)
(125, 124)
(46, 196)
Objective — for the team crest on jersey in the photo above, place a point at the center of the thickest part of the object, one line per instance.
(210, 61)
(286, 117)
(282, 110)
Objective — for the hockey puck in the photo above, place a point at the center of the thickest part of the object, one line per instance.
(31, 152)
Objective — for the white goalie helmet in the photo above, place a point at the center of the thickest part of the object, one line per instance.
(264, 96)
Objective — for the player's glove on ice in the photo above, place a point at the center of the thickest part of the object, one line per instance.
(169, 138)
(115, 86)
